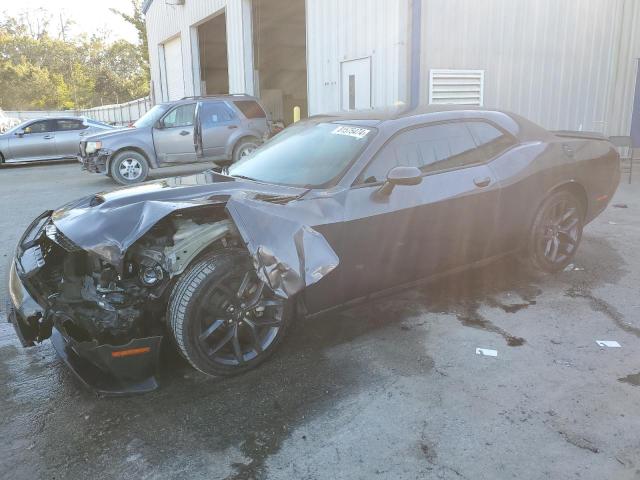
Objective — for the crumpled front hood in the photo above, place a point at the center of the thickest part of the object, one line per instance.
(288, 253)
(108, 134)
(109, 223)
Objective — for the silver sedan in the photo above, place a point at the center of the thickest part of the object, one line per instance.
(55, 138)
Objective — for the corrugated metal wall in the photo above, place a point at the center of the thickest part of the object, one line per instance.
(339, 30)
(566, 64)
(166, 21)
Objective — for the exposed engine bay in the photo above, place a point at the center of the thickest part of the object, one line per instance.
(91, 300)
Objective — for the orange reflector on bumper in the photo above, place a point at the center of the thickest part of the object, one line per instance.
(130, 352)
(602, 198)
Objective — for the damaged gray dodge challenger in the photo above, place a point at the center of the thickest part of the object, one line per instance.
(329, 212)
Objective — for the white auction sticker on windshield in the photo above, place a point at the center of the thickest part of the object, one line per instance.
(356, 132)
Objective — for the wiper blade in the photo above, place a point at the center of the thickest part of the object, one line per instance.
(244, 178)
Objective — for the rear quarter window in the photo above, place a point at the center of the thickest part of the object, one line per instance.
(250, 108)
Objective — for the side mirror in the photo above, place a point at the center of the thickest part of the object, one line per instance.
(401, 176)
(19, 133)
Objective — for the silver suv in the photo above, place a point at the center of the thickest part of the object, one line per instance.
(220, 128)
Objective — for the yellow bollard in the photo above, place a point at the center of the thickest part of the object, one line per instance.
(296, 114)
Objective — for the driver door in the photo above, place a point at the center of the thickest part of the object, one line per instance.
(173, 135)
(38, 142)
(417, 231)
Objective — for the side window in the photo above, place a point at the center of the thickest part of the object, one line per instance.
(181, 116)
(430, 148)
(490, 140)
(69, 124)
(438, 147)
(250, 109)
(42, 126)
(213, 113)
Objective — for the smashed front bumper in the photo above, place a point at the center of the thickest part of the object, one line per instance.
(106, 369)
(95, 162)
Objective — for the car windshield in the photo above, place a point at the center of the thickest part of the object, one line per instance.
(305, 155)
(151, 117)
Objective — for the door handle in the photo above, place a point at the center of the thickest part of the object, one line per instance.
(482, 181)
(231, 127)
(48, 137)
(184, 132)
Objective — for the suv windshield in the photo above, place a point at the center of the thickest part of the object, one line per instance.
(305, 155)
(152, 116)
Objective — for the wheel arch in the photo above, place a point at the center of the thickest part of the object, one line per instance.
(574, 188)
(243, 136)
(133, 149)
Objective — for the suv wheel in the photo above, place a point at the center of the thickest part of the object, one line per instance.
(244, 148)
(129, 167)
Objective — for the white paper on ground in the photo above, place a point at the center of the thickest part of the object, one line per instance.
(486, 352)
(608, 343)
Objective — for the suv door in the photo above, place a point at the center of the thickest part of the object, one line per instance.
(447, 221)
(173, 135)
(69, 132)
(37, 142)
(217, 121)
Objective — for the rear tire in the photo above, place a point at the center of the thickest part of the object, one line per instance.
(556, 233)
(244, 147)
(224, 320)
(129, 167)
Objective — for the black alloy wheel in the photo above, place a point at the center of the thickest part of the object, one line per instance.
(225, 320)
(557, 232)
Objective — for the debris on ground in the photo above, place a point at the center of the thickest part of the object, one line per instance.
(608, 343)
(485, 352)
(620, 205)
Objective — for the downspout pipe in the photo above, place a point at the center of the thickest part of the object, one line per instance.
(416, 41)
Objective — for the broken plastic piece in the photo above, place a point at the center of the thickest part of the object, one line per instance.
(485, 352)
(608, 343)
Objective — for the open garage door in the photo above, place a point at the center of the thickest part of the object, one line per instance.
(280, 57)
(212, 44)
(173, 69)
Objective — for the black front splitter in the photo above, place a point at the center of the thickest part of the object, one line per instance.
(116, 379)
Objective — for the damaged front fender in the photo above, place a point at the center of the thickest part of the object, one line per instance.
(288, 255)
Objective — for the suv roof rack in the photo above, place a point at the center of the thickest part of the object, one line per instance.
(194, 97)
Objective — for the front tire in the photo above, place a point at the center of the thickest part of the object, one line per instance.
(556, 232)
(129, 167)
(224, 320)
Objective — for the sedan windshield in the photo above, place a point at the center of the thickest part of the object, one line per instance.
(151, 117)
(305, 155)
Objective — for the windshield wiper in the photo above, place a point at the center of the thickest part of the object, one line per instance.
(244, 178)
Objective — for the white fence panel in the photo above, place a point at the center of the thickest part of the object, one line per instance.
(117, 114)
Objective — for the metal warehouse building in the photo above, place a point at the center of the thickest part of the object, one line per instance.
(570, 64)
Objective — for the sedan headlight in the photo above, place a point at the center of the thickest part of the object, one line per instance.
(93, 147)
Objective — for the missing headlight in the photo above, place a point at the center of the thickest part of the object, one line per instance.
(150, 275)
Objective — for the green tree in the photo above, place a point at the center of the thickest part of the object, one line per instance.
(41, 70)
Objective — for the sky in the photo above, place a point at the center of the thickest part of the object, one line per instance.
(87, 14)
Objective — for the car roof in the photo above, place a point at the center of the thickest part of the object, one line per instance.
(401, 111)
(231, 96)
(401, 116)
(65, 117)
